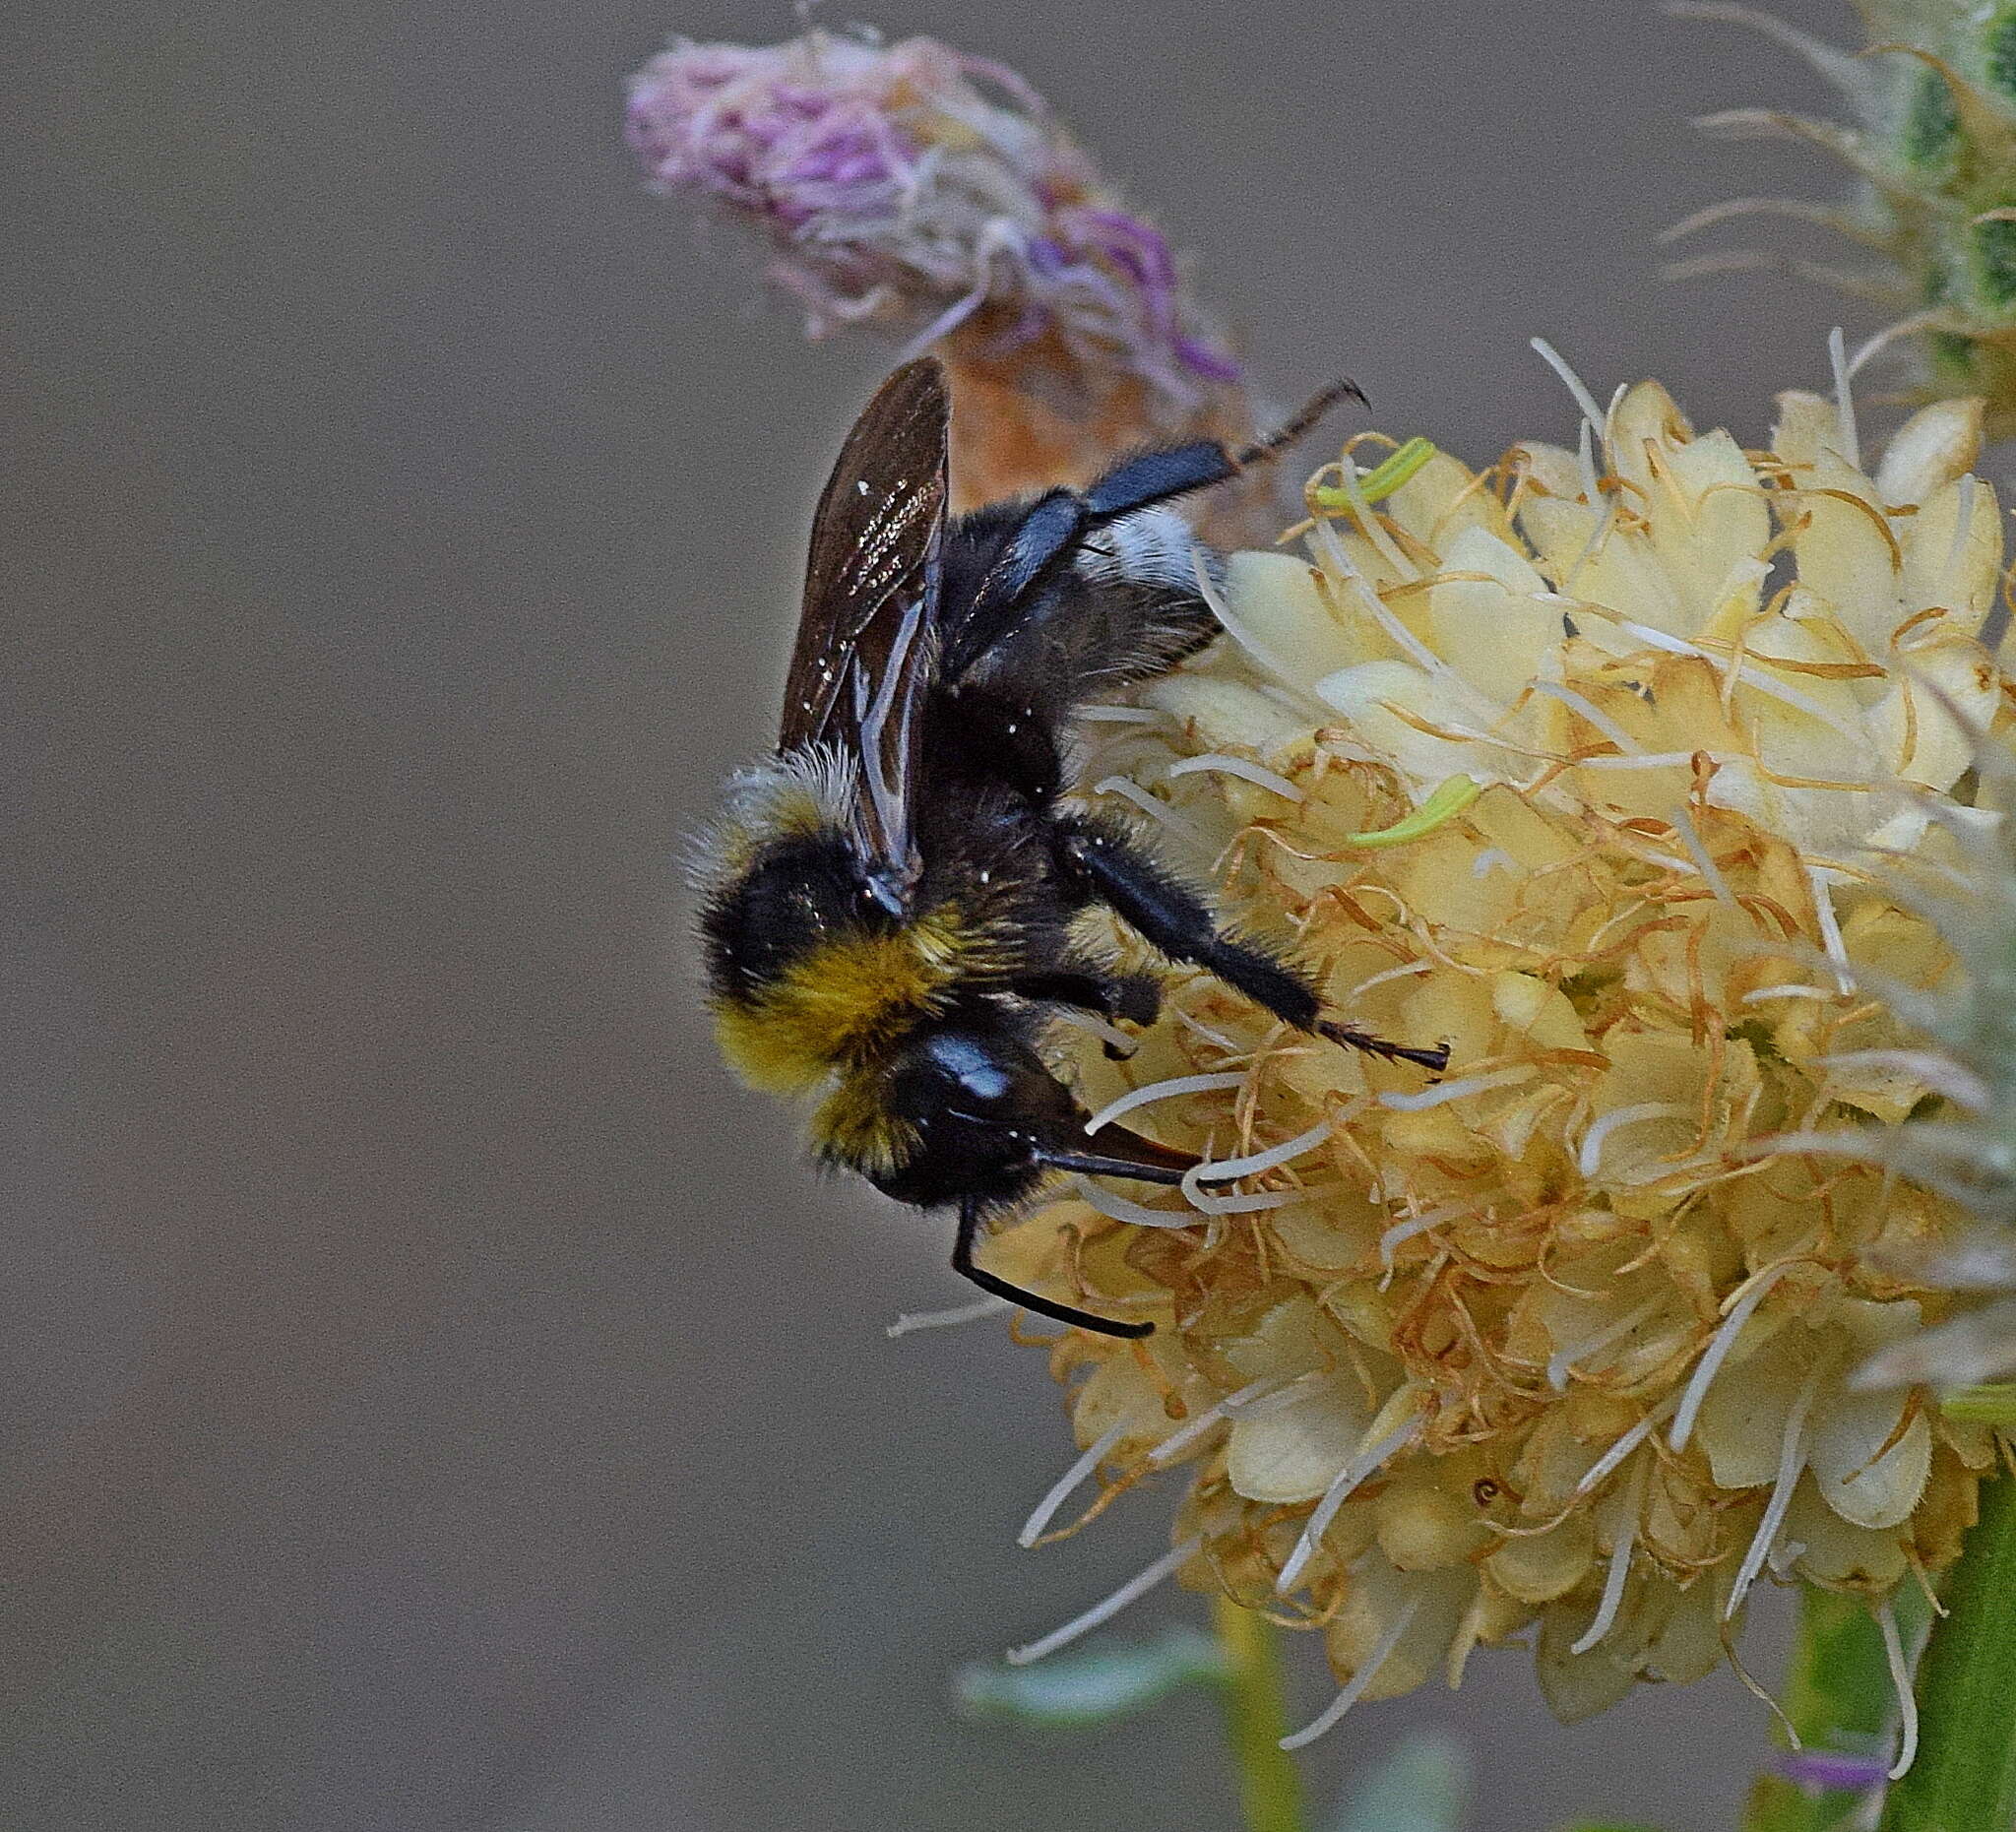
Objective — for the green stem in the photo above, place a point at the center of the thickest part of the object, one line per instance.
(1270, 1790)
(1965, 1777)
(1838, 1695)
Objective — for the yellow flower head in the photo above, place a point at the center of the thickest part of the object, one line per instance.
(1586, 765)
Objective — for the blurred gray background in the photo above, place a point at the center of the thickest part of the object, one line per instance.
(435, 1397)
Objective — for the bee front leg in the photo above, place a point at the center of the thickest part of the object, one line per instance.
(1104, 859)
(1131, 998)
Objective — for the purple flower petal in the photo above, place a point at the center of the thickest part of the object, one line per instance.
(891, 186)
(1829, 1768)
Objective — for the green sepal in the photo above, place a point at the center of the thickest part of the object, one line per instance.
(1421, 1785)
(1097, 1686)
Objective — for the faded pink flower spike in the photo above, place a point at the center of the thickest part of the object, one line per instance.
(931, 193)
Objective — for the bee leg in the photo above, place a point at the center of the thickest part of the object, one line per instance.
(962, 1263)
(1135, 998)
(1137, 483)
(1174, 920)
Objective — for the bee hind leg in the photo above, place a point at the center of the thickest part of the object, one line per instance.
(1107, 863)
(963, 1263)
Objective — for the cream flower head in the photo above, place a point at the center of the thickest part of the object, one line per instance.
(1589, 765)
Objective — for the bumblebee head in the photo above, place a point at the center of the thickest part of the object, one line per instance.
(967, 1110)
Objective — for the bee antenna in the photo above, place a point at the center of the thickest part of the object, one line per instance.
(1284, 436)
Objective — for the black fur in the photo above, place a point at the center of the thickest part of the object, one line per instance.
(1038, 612)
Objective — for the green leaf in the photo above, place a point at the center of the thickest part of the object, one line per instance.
(1097, 1686)
(1422, 1785)
(1965, 1777)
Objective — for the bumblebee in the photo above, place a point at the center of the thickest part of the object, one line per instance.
(889, 903)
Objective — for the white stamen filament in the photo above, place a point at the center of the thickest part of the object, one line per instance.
(1787, 991)
(1198, 1028)
(1136, 1587)
(1173, 819)
(1874, 345)
(1620, 1573)
(910, 1321)
(1939, 1073)
(1250, 1204)
(1601, 719)
(1648, 760)
(887, 797)
(1590, 1157)
(1121, 715)
(1138, 1215)
(1626, 1444)
(1167, 1089)
(1360, 1679)
(1492, 858)
(1844, 398)
(1060, 1490)
(1599, 535)
(1576, 386)
(1444, 1092)
(1704, 861)
(1584, 458)
(998, 235)
(1400, 971)
(1717, 1352)
(1246, 770)
(1281, 1398)
(1752, 675)
(1563, 1360)
(1349, 1479)
(1226, 1170)
(1899, 1680)
(1338, 564)
(1191, 1429)
(1100, 1027)
(1280, 666)
(1659, 639)
(1830, 928)
(1368, 523)
(1792, 1459)
(891, 678)
(1415, 1224)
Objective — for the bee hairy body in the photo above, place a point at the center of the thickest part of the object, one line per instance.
(890, 904)
(819, 989)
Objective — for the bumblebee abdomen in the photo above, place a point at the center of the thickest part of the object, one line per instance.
(810, 976)
(849, 998)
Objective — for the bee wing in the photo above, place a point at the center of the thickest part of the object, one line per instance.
(867, 646)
